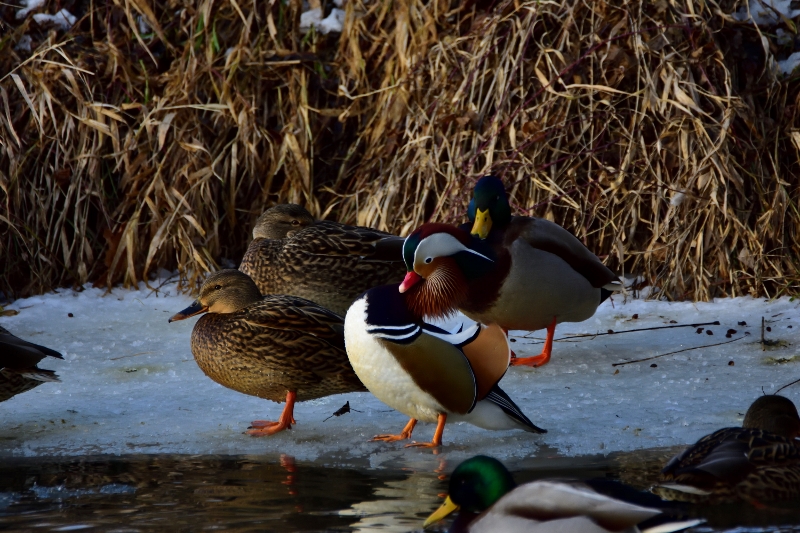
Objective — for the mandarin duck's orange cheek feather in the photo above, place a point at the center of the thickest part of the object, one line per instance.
(441, 292)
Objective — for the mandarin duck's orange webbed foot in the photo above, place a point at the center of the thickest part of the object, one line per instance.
(437, 435)
(405, 434)
(264, 428)
(544, 357)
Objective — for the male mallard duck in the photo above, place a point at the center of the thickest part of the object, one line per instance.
(490, 501)
(326, 262)
(552, 277)
(757, 462)
(275, 347)
(531, 273)
(426, 372)
(18, 370)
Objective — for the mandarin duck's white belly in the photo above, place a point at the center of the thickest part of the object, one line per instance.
(380, 372)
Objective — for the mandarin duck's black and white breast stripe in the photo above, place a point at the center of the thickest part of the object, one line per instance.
(18, 365)
(392, 321)
(424, 370)
(749, 463)
(323, 261)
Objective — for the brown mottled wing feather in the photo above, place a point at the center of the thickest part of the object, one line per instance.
(328, 263)
(261, 262)
(550, 237)
(282, 343)
(438, 368)
(489, 355)
(729, 455)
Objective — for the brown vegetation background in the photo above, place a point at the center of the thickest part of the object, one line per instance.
(153, 133)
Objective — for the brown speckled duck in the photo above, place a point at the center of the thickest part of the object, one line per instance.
(758, 462)
(326, 262)
(18, 370)
(275, 347)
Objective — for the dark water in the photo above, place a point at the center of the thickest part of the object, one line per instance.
(238, 493)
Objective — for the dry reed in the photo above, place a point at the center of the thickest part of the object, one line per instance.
(152, 134)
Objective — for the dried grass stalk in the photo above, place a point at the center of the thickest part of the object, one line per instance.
(152, 134)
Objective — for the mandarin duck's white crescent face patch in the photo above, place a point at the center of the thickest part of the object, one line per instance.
(440, 245)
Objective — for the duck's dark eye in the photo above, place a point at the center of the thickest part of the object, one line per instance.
(428, 260)
(217, 287)
(295, 222)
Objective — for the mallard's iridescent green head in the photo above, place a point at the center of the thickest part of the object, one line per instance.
(226, 291)
(476, 484)
(775, 414)
(280, 221)
(488, 207)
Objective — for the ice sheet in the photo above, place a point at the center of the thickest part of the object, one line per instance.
(130, 385)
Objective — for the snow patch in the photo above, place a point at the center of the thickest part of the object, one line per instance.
(28, 6)
(129, 384)
(788, 65)
(766, 12)
(63, 19)
(332, 23)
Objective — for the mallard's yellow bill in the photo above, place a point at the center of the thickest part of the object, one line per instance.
(445, 509)
(482, 225)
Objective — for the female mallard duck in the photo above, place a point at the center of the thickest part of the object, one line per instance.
(326, 262)
(18, 370)
(530, 273)
(426, 372)
(758, 462)
(489, 501)
(275, 347)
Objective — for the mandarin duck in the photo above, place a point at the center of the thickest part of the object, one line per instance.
(426, 372)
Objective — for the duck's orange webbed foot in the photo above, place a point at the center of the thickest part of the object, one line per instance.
(437, 435)
(405, 434)
(264, 428)
(544, 357)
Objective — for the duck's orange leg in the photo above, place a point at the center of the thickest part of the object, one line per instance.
(262, 428)
(513, 355)
(405, 434)
(437, 435)
(544, 357)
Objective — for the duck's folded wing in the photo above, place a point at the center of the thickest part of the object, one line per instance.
(551, 500)
(301, 327)
(436, 366)
(550, 237)
(333, 239)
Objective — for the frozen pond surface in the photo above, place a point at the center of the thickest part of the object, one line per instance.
(130, 385)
